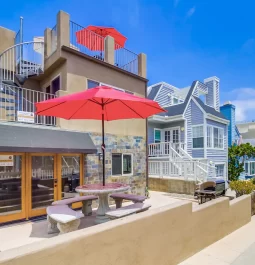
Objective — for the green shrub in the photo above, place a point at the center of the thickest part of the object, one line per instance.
(242, 187)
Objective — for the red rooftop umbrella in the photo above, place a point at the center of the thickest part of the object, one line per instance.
(99, 103)
(94, 42)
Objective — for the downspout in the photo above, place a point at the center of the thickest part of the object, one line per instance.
(146, 141)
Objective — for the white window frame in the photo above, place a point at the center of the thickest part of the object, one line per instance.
(212, 137)
(88, 79)
(224, 168)
(117, 88)
(171, 133)
(132, 166)
(249, 168)
(194, 126)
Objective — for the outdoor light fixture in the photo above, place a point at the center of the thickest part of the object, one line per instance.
(182, 129)
(100, 156)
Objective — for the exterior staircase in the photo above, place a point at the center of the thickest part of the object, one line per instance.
(172, 160)
(17, 64)
(21, 61)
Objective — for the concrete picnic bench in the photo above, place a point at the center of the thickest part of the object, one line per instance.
(127, 210)
(119, 197)
(62, 219)
(86, 203)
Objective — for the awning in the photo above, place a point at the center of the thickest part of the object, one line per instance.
(31, 138)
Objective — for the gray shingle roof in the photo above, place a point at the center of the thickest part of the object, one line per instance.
(179, 109)
(154, 91)
(210, 110)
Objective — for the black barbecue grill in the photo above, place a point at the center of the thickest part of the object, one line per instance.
(210, 189)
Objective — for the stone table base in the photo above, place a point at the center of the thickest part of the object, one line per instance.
(103, 207)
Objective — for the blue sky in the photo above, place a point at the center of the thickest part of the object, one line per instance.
(184, 40)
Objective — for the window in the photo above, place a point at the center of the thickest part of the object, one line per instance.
(92, 84)
(176, 136)
(175, 101)
(215, 137)
(209, 136)
(129, 92)
(250, 167)
(157, 136)
(198, 136)
(220, 170)
(55, 85)
(122, 164)
(218, 137)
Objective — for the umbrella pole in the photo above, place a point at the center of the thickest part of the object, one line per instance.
(103, 146)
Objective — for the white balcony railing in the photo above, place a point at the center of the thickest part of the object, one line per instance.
(18, 105)
(189, 170)
(164, 148)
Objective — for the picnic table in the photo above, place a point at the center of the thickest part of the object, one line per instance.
(102, 192)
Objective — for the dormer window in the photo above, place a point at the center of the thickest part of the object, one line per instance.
(175, 101)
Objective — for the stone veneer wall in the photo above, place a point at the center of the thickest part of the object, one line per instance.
(135, 145)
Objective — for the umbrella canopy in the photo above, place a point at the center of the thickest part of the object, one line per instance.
(91, 37)
(99, 103)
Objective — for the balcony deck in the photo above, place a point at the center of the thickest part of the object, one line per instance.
(17, 104)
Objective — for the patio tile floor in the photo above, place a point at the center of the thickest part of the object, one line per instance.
(19, 234)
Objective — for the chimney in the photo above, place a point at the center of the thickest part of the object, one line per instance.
(229, 111)
(212, 99)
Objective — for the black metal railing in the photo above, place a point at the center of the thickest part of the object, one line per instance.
(86, 41)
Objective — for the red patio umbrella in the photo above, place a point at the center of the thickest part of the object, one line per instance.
(94, 42)
(99, 103)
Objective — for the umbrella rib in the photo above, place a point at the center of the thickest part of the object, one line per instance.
(153, 106)
(78, 110)
(50, 107)
(132, 109)
(108, 101)
(94, 101)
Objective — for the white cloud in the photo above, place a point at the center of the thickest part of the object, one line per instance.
(191, 12)
(244, 100)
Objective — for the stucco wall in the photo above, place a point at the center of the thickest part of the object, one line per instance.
(165, 236)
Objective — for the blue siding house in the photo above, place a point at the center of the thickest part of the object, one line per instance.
(191, 139)
(240, 133)
(228, 110)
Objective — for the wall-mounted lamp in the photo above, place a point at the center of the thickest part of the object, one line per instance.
(182, 129)
(100, 156)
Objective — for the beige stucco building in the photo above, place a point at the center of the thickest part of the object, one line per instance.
(49, 154)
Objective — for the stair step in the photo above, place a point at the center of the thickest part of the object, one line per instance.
(7, 100)
(7, 92)
(7, 107)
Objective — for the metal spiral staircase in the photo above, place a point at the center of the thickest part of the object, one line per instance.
(17, 64)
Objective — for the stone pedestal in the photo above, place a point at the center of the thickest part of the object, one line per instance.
(103, 207)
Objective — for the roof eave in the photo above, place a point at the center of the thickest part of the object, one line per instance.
(218, 119)
(166, 118)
